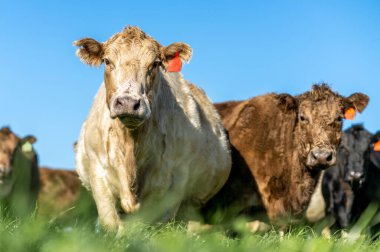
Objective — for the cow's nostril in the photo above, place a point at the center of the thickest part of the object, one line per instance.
(330, 157)
(118, 102)
(313, 155)
(136, 106)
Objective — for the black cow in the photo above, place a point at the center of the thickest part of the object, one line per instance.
(342, 182)
(370, 192)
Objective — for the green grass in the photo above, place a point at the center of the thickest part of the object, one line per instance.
(33, 234)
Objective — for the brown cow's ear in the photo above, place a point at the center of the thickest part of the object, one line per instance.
(174, 54)
(287, 102)
(6, 130)
(31, 139)
(358, 101)
(90, 51)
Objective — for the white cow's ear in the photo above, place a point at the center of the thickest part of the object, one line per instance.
(183, 50)
(90, 51)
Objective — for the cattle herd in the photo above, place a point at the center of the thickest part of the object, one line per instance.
(154, 144)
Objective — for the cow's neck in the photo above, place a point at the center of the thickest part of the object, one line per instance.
(303, 180)
(162, 103)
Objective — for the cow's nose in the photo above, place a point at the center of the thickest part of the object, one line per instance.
(127, 105)
(355, 176)
(322, 156)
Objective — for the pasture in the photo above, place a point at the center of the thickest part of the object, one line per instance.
(240, 134)
(47, 235)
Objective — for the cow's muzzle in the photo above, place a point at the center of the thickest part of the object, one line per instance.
(130, 110)
(354, 176)
(322, 158)
(4, 172)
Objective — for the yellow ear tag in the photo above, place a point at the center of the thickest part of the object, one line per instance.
(27, 147)
(350, 114)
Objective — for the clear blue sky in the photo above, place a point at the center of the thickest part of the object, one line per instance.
(241, 49)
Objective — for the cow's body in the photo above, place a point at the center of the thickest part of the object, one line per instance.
(177, 158)
(370, 190)
(59, 190)
(279, 138)
(19, 174)
(342, 182)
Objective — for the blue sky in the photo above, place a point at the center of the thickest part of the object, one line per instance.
(241, 49)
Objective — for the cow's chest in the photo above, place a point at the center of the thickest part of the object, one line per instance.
(5, 188)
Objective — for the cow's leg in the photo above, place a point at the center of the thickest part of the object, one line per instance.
(122, 158)
(183, 206)
(127, 177)
(163, 199)
(105, 204)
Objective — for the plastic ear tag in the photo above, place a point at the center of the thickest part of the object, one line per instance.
(376, 147)
(27, 147)
(350, 114)
(175, 64)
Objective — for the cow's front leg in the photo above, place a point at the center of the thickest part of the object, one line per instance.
(165, 195)
(105, 204)
(127, 176)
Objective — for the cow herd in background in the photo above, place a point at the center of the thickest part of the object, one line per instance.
(25, 187)
(153, 140)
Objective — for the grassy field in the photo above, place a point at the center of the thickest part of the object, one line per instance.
(33, 234)
(76, 229)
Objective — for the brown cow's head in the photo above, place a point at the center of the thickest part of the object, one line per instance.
(8, 144)
(320, 114)
(132, 63)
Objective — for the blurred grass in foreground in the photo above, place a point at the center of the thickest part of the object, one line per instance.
(75, 229)
(33, 234)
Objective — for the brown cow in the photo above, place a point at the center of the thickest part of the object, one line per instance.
(62, 198)
(151, 137)
(285, 142)
(59, 189)
(18, 173)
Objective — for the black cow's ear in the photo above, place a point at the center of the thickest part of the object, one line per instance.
(287, 102)
(375, 158)
(358, 101)
(31, 139)
(90, 51)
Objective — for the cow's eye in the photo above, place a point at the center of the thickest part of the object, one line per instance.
(156, 63)
(153, 66)
(108, 63)
(303, 119)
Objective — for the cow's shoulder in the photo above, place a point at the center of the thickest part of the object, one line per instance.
(265, 108)
(204, 104)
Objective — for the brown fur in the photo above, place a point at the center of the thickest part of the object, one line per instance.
(267, 133)
(8, 143)
(59, 189)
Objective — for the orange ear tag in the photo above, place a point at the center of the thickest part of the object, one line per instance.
(175, 64)
(350, 114)
(376, 147)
